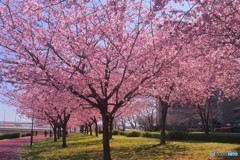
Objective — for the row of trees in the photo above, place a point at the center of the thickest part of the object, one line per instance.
(69, 61)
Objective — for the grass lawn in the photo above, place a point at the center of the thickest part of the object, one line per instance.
(81, 147)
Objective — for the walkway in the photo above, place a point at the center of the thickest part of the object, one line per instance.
(9, 147)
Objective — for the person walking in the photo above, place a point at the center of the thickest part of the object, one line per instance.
(45, 133)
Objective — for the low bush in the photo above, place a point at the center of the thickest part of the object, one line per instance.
(223, 138)
(10, 136)
(133, 134)
(147, 134)
(115, 132)
(28, 134)
(212, 137)
(121, 133)
(177, 135)
(151, 135)
(25, 134)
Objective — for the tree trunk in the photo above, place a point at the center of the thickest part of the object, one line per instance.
(64, 130)
(86, 129)
(90, 129)
(206, 129)
(55, 133)
(96, 127)
(110, 127)
(106, 146)
(59, 133)
(204, 118)
(163, 125)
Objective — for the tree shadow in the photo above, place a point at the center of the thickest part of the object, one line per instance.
(155, 150)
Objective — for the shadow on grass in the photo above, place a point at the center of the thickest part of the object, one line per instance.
(169, 147)
(149, 151)
(89, 155)
(85, 144)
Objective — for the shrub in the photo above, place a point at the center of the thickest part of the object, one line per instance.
(133, 134)
(177, 135)
(121, 133)
(198, 137)
(25, 134)
(147, 134)
(10, 136)
(157, 135)
(115, 132)
(151, 135)
(222, 138)
(28, 134)
(212, 137)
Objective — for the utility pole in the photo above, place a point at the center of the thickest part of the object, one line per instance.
(31, 141)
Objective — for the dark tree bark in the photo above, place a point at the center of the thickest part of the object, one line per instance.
(163, 125)
(64, 140)
(31, 140)
(90, 127)
(204, 114)
(54, 125)
(86, 129)
(82, 128)
(64, 121)
(54, 122)
(90, 130)
(165, 105)
(96, 125)
(55, 133)
(110, 127)
(106, 146)
(59, 133)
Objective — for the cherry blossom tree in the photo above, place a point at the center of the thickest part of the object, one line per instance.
(45, 104)
(102, 42)
(105, 52)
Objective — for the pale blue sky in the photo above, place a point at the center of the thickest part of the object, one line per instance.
(10, 114)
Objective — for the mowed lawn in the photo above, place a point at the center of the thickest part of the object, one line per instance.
(82, 147)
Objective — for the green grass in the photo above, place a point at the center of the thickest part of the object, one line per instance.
(81, 147)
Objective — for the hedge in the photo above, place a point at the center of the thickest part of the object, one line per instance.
(10, 136)
(177, 135)
(151, 135)
(133, 134)
(212, 137)
(26, 134)
(115, 132)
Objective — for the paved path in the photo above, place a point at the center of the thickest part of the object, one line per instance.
(9, 147)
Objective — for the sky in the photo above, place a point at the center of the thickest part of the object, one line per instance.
(8, 113)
